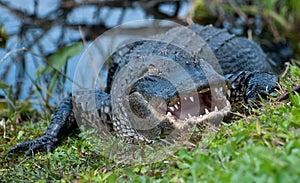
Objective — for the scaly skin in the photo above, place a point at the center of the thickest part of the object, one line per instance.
(240, 61)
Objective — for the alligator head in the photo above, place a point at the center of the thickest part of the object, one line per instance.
(154, 94)
(162, 95)
(165, 96)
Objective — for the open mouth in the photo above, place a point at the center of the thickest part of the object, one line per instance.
(157, 98)
(164, 115)
(198, 104)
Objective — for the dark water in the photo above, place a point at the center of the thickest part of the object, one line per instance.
(43, 26)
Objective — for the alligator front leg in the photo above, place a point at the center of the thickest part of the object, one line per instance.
(62, 121)
(250, 86)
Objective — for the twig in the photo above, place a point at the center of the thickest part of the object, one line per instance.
(286, 95)
(92, 60)
(237, 9)
(9, 100)
(287, 68)
(3, 123)
(11, 52)
(272, 27)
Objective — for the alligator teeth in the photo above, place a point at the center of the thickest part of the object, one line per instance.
(206, 111)
(172, 108)
(221, 89)
(169, 114)
(228, 93)
(192, 98)
(216, 90)
(185, 98)
(189, 115)
(216, 108)
(176, 106)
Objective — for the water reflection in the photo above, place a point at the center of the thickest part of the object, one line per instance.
(44, 26)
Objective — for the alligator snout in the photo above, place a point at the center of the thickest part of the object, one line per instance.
(162, 95)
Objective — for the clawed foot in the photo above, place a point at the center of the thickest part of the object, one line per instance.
(43, 143)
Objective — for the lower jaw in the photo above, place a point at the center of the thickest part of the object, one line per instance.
(213, 117)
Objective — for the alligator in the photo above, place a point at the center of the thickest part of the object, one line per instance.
(187, 75)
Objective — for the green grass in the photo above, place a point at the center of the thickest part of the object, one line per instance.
(260, 146)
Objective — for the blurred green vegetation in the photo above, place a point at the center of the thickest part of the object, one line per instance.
(271, 20)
